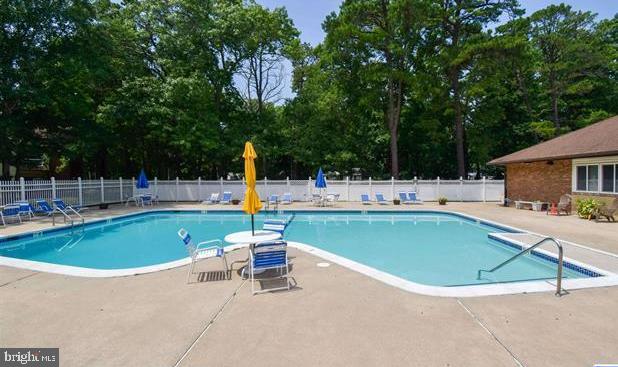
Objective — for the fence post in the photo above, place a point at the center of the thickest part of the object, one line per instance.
(102, 190)
(199, 189)
(53, 183)
(370, 188)
(80, 190)
(266, 186)
(392, 188)
(22, 188)
(133, 186)
(156, 189)
(347, 188)
(484, 191)
(120, 185)
(309, 189)
(438, 188)
(416, 186)
(177, 184)
(221, 186)
(461, 188)
(287, 185)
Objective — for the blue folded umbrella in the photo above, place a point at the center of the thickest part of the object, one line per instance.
(320, 180)
(142, 181)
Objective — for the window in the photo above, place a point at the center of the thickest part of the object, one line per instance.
(593, 178)
(581, 178)
(599, 177)
(608, 172)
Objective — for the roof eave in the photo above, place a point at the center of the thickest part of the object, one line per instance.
(500, 162)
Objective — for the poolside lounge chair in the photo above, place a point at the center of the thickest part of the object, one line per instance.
(608, 211)
(413, 198)
(227, 198)
(380, 199)
(10, 211)
(286, 199)
(43, 207)
(147, 199)
(403, 198)
(59, 203)
(275, 225)
(214, 198)
(365, 199)
(273, 199)
(197, 252)
(331, 199)
(26, 210)
(317, 200)
(269, 255)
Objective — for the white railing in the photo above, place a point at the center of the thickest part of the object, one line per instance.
(93, 192)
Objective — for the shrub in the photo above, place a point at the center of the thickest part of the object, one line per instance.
(587, 207)
(442, 200)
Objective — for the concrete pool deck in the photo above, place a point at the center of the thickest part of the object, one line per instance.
(334, 316)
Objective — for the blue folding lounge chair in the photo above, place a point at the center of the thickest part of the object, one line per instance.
(413, 198)
(273, 199)
(25, 210)
(43, 207)
(197, 252)
(10, 211)
(59, 203)
(286, 199)
(269, 255)
(146, 199)
(227, 198)
(275, 225)
(380, 198)
(403, 198)
(365, 199)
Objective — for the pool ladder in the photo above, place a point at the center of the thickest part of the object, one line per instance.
(529, 249)
(67, 216)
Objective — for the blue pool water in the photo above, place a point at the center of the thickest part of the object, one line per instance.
(428, 248)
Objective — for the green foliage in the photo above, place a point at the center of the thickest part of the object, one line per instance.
(399, 87)
(442, 200)
(586, 208)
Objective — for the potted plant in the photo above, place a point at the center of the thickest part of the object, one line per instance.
(442, 200)
(235, 201)
(587, 208)
(396, 201)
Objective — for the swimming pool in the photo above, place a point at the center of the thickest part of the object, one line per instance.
(428, 248)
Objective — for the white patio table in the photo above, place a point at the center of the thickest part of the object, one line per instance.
(251, 239)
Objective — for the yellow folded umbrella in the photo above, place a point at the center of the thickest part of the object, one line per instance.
(252, 203)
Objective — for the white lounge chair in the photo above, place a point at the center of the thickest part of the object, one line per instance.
(365, 199)
(269, 255)
(197, 252)
(227, 198)
(214, 198)
(380, 199)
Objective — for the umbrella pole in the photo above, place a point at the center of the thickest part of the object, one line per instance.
(252, 226)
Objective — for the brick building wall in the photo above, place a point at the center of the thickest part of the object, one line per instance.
(538, 180)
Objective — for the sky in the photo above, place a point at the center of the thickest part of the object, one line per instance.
(308, 16)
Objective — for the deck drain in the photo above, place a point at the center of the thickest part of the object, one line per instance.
(323, 265)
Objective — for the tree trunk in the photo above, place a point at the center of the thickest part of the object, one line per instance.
(393, 117)
(459, 128)
(554, 106)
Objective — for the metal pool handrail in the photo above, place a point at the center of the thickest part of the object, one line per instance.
(529, 249)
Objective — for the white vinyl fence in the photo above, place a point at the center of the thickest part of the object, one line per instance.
(93, 192)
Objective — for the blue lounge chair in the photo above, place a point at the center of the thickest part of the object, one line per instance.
(10, 211)
(269, 255)
(273, 199)
(413, 198)
(25, 210)
(365, 199)
(227, 198)
(403, 198)
(146, 199)
(197, 252)
(275, 225)
(286, 199)
(43, 207)
(380, 198)
(59, 203)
